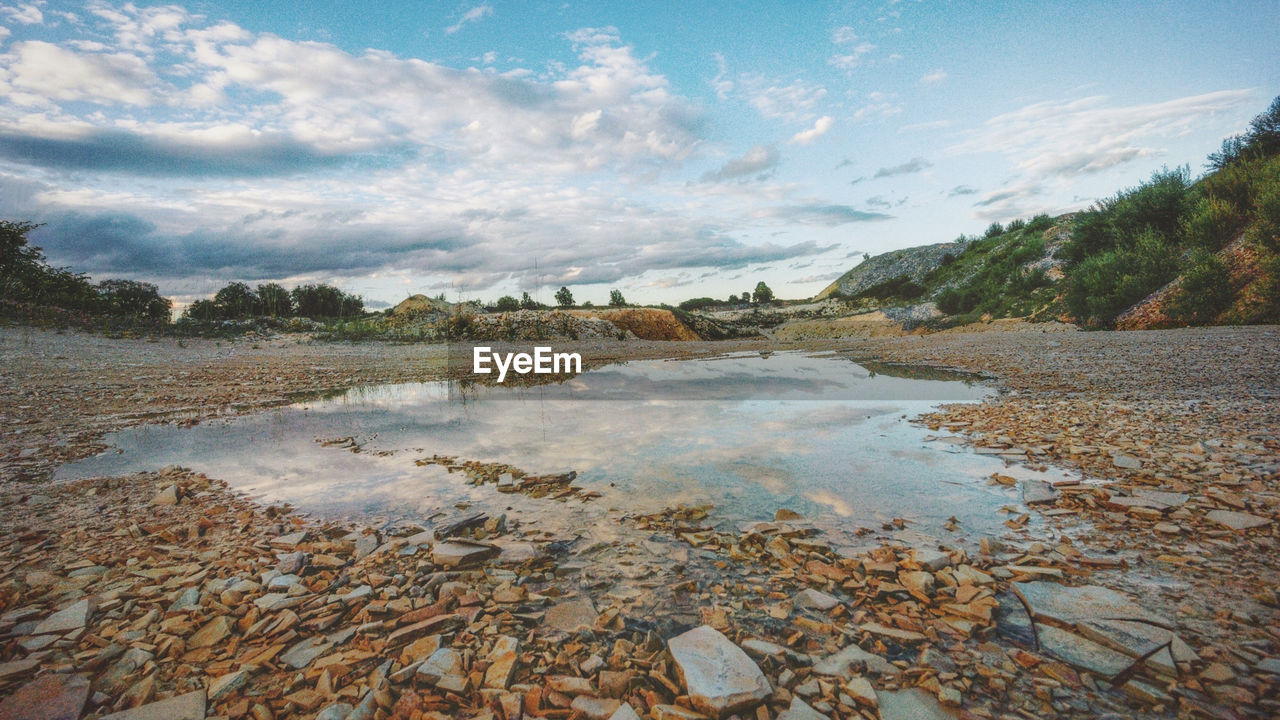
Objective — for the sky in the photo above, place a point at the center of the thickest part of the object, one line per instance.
(670, 150)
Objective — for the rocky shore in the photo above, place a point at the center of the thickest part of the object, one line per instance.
(1148, 591)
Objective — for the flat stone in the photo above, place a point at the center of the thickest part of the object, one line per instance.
(56, 696)
(1236, 520)
(932, 560)
(190, 706)
(224, 685)
(717, 674)
(917, 581)
(1069, 604)
(1269, 665)
(815, 599)
(167, 496)
(800, 710)
(67, 619)
(292, 563)
(365, 546)
(502, 662)
(914, 704)
(594, 708)
(303, 652)
(18, 667)
(1038, 492)
(1081, 652)
(116, 679)
(624, 712)
(1126, 462)
(213, 632)
(457, 554)
(859, 688)
(188, 599)
(572, 615)
(290, 541)
(675, 712)
(570, 684)
(336, 711)
(1169, 499)
(842, 663)
(1136, 639)
(907, 636)
(441, 663)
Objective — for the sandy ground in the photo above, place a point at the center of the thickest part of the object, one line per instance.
(1194, 412)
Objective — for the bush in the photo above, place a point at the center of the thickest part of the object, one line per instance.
(899, 288)
(1105, 285)
(1267, 229)
(506, 303)
(616, 299)
(1212, 224)
(1040, 223)
(993, 230)
(1205, 291)
(1016, 225)
(564, 298)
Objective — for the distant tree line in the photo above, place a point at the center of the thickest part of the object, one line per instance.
(27, 280)
(762, 295)
(237, 301)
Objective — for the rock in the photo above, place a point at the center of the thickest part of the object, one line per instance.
(188, 599)
(1038, 492)
(859, 688)
(1125, 462)
(614, 683)
(842, 663)
(800, 710)
(292, 563)
(303, 652)
(931, 560)
(1068, 604)
(290, 541)
(1269, 665)
(717, 674)
(190, 706)
(167, 496)
(336, 711)
(502, 662)
(458, 554)
(441, 663)
(570, 685)
(1236, 520)
(366, 545)
(572, 615)
(213, 632)
(1146, 693)
(784, 514)
(115, 680)
(1080, 652)
(815, 599)
(907, 636)
(18, 667)
(914, 704)
(917, 581)
(56, 696)
(224, 685)
(624, 712)
(594, 708)
(674, 712)
(69, 618)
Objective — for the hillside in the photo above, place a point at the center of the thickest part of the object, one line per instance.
(1173, 251)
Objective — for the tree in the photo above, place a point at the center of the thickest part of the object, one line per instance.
(133, 300)
(616, 299)
(203, 310)
(275, 300)
(994, 229)
(763, 294)
(733, 299)
(564, 298)
(746, 297)
(325, 301)
(506, 303)
(237, 301)
(527, 302)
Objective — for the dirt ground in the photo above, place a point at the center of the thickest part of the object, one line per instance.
(1191, 414)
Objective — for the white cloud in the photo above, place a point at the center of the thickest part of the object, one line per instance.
(4, 32)
(759, 161)
(795, 102)
(820, 128)
(1078, 137)
(25, 13)
(843, 35)
(475, 14)
(933, 78)
(40, 71)
(852, 59)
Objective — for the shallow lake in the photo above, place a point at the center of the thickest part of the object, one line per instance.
(748, 433)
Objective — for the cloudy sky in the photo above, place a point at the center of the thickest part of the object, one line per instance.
(672, 150)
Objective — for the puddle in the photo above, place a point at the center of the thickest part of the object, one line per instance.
(747, 433)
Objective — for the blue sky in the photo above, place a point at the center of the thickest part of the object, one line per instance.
(671, 150)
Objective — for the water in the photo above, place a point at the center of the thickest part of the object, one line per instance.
(818, 434)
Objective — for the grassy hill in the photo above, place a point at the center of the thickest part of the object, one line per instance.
(1172, 251)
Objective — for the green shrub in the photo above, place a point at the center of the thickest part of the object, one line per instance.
(1016, 225)
(1212, 224)
(1267, 228)
(1205, 291)
(1040, 223)
(1106, 284)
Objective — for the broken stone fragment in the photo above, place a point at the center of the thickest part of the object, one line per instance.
(167, 496)
(843, 662)
(594, 708)
(73, 617)
(572, 615)
(56, 696)
(190, 706)
(1081, 653)
(815, 599)
(800, 710)
(913, 704)
(442, 663)
(502, 662)
(624, 712)
(458, 554)
(717, 674)
(303, 652)
(213, 632)
(224, 685)
(1236, 520)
